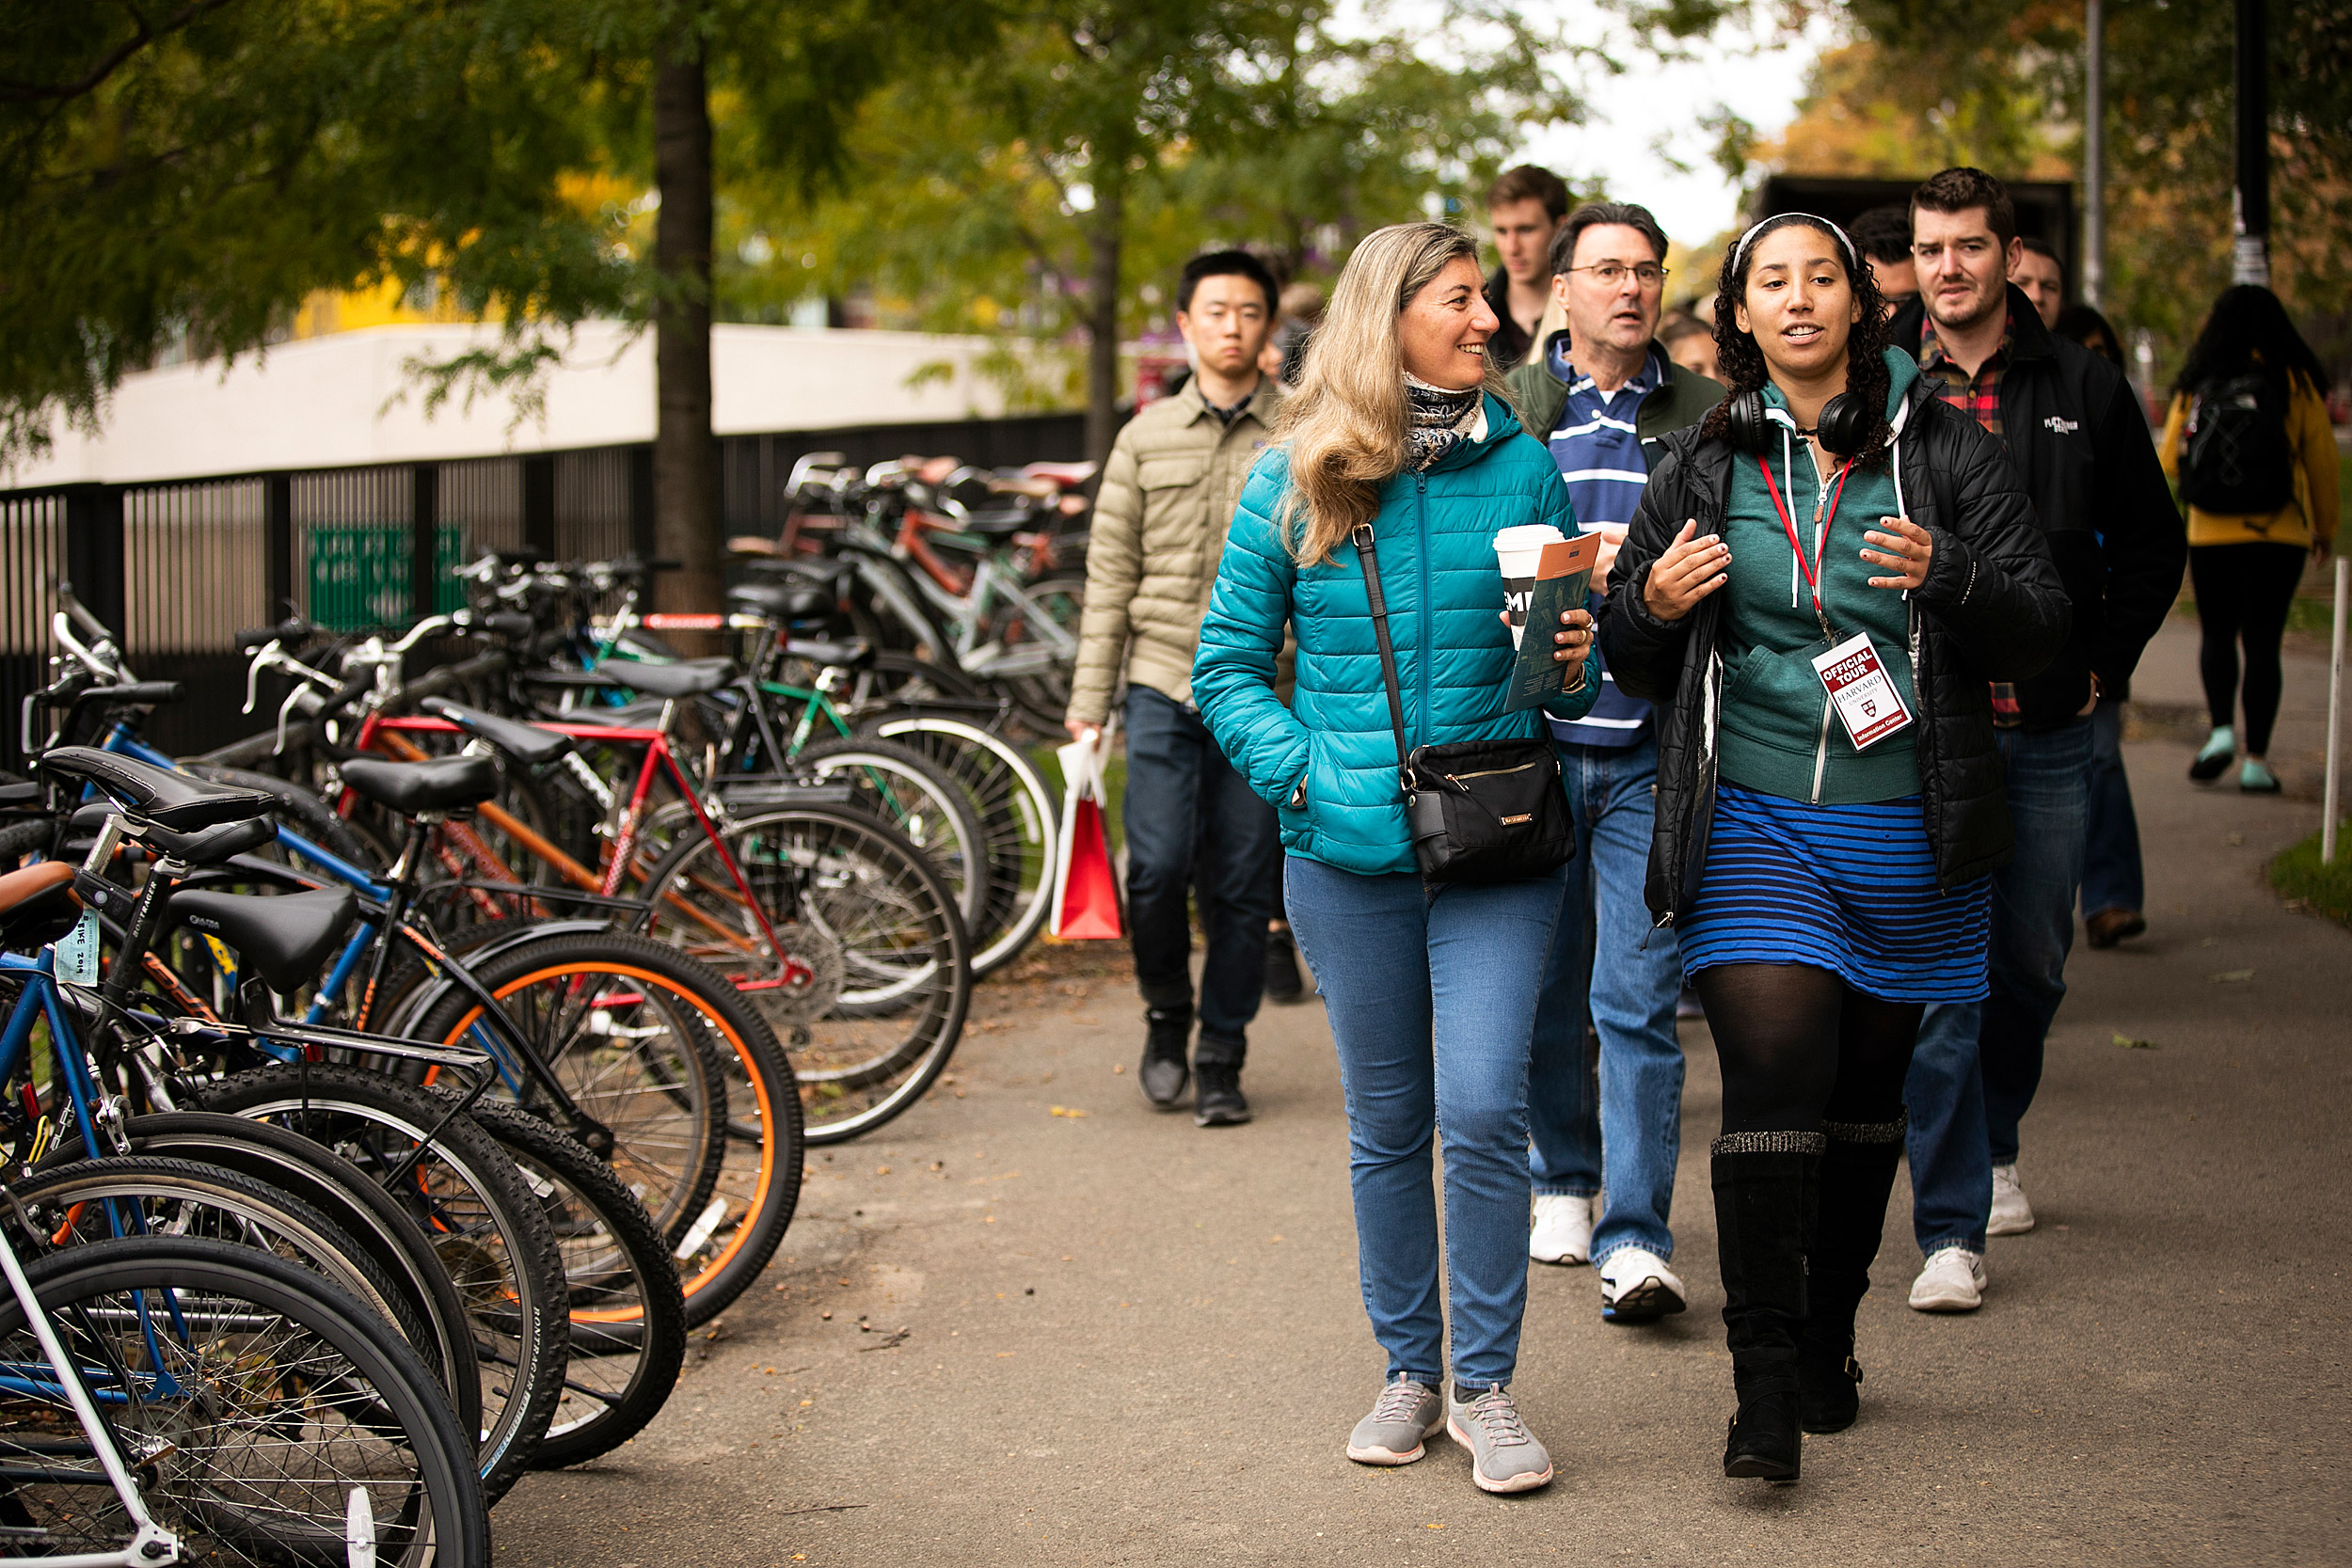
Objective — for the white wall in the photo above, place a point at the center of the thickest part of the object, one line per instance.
(338, 400)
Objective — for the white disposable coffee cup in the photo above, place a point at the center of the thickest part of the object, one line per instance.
(1520, 551)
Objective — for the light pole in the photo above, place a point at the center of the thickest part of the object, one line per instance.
(2249, 250)
(2095, 155)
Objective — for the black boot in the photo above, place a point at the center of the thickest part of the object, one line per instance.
(1167, 1041)
(1284, 983)
(1857, 1174)
(1760, 1181)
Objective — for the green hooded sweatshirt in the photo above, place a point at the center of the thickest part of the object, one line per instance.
(1779, 732)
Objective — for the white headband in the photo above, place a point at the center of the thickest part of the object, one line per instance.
(1740, 250)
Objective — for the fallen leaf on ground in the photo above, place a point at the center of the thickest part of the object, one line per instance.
(2229, 976)
(1063, 1111)
(2130, 1044)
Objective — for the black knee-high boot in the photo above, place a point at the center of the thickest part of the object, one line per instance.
(1760, 1181)
(1857, 1174)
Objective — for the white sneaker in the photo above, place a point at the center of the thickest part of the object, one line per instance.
(1953, 1281)
(2012, 1214)
(1636, 1287)
(1564, 1229)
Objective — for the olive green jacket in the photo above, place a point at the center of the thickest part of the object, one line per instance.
(1680, 398)
(1160, 517)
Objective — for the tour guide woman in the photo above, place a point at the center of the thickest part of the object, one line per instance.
(1398, 423)
(1823, 890)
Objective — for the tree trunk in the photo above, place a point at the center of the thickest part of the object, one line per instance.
(1106, 239)
(685, 457)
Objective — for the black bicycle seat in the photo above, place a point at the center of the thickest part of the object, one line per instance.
(780, 601)
(855, 653)
(827, 570)
(688, 678)
(642, 714)
(171, 800)
(526, 743)
(442, 783)
(283, 939)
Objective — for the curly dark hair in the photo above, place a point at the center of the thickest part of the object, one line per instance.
(1740, 362)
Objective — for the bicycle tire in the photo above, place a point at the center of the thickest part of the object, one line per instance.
(865, 908)
(245, 1327)
(910, 792)
(485, 1222)
(721, 1252)
(335, 1187)
(1018, 818)
(628, 1311)
(659, 1096)
(1043, 700)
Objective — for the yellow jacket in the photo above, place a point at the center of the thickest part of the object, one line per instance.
(2312, 515)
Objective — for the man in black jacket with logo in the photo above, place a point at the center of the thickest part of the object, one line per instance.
(2081, 444)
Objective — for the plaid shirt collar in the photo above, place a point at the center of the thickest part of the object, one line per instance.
(1981, 398)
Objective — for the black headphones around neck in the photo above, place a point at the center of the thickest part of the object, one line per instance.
(1843, 430)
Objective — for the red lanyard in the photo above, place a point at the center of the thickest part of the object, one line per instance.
(1823, 510)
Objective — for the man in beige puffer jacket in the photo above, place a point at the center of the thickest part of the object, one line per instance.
(1192, 825)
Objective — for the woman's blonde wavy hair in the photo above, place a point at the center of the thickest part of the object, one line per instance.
(1346, 426)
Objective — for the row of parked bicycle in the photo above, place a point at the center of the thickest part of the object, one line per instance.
(388, 1093)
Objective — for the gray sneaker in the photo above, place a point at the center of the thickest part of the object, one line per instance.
(1406, 1413)
(1503, 1458)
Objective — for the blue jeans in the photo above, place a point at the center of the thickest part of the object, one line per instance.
(2112, 876)
(1194, 827)
(1978, 1063)
(1606, 963)
(1430, 995)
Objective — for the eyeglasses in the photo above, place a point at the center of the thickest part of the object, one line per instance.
(1609, 274)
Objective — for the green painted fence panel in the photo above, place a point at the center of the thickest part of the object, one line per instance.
(359, 575)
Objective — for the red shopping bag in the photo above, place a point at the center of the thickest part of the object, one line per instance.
(1086, 885)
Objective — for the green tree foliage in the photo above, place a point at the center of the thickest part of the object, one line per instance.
(1050, 189)
(198, 168)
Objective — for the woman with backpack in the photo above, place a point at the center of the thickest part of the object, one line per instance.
(1369, 531)
(2249, 441)
(1820, 580)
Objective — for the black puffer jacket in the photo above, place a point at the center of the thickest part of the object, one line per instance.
(1992, 609)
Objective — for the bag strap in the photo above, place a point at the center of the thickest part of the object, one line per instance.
(1365, 557)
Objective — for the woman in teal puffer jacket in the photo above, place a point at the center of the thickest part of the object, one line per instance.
(1431, 992)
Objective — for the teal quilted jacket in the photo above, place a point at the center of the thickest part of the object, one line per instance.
(1435, 538)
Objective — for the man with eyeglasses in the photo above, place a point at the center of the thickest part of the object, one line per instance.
(2075, 431)
(1603, 392)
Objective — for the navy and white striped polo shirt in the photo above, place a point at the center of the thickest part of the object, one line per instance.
(1600, 458)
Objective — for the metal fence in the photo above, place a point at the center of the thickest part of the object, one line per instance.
(180, 566)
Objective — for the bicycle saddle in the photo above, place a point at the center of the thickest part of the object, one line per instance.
(780, 601)
(283, 939)
(526, 743)
(38, 905)
(1066, 474)
(830, 571)
(205, 847)
(442, 783)
(174, 801)
(689, 677)
(856, 654)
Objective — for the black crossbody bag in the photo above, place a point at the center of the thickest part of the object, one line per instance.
(1478, 810)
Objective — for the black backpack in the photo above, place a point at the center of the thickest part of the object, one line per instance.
(2237, 462)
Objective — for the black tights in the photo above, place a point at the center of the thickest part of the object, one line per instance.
(1799, 1046)
(2243, 595)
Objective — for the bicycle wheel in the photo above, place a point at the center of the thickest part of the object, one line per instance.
(1044, 698)
(251, 1400)
(1017, 823)
(907, 790)
(292, 1163)
(485, 1221)
(876, 928)
(627, 1314)
(721, 1234)
(143, 1195)
(641, 1063)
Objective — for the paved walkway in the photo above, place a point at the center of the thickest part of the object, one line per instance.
(1130, 1341)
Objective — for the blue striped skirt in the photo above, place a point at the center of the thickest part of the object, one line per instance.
(1850, 888)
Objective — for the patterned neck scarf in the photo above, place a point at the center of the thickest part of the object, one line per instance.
(1438, 420)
